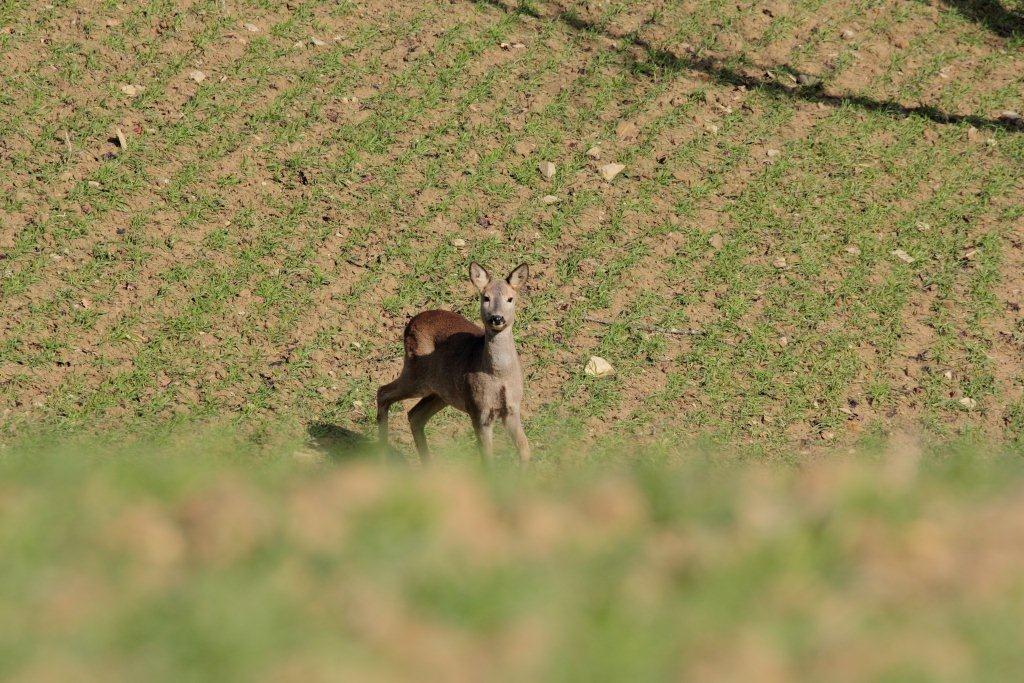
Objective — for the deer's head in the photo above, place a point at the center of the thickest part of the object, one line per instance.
(498, 297)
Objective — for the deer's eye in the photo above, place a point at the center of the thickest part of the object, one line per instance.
(510, 299)
(487, 299)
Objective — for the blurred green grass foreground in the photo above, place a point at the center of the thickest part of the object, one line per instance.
(207, 558)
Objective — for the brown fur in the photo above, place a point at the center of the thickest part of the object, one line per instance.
(450, 361)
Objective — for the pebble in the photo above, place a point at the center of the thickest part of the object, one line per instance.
(598, 367)
(609, 171)
(902, 255)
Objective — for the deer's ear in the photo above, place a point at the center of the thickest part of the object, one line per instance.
(478, 276)
(517, 278)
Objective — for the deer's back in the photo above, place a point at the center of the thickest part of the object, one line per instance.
(441, 349)
(432, 331)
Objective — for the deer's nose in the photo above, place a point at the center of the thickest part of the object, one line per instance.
(496, 320)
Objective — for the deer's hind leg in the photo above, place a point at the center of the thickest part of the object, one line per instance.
(402, 388)
(418, 417)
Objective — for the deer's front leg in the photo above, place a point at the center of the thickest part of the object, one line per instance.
(484, 426)
(514, 425)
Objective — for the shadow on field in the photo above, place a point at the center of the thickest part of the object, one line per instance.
(339, 444)
(1001, 21)
(716, 69)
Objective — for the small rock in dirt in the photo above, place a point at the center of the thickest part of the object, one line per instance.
(922, 226)
(547, 169)
(772, 153)
(609, 171)
(1011, 116)
(711, 128)
(122, 141)
(783, 342)
(970, 254)
(598, 367)
(808, 80)
(251, 28)
(853, 250)
(94, 184)
(549, 199)
(594, 152)
(131, 90)
(902, 255)
(458, 242)
(968, 403)
(316, 41)
(973, 134)
(780, 262)
(512, 46)
(847, 34)
(197, 75)
(717, 241)
(948, 374)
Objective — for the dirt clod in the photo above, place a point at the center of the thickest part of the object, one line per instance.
(1010, 116)
(547, 169)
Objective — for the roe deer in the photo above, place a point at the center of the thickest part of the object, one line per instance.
(449, 361)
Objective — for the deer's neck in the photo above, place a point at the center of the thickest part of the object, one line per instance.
(500, 356)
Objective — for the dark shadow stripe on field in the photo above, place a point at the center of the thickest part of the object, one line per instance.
(999, 20)
(716, 69)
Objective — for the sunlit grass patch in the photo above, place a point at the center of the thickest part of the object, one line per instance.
(207, 556)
